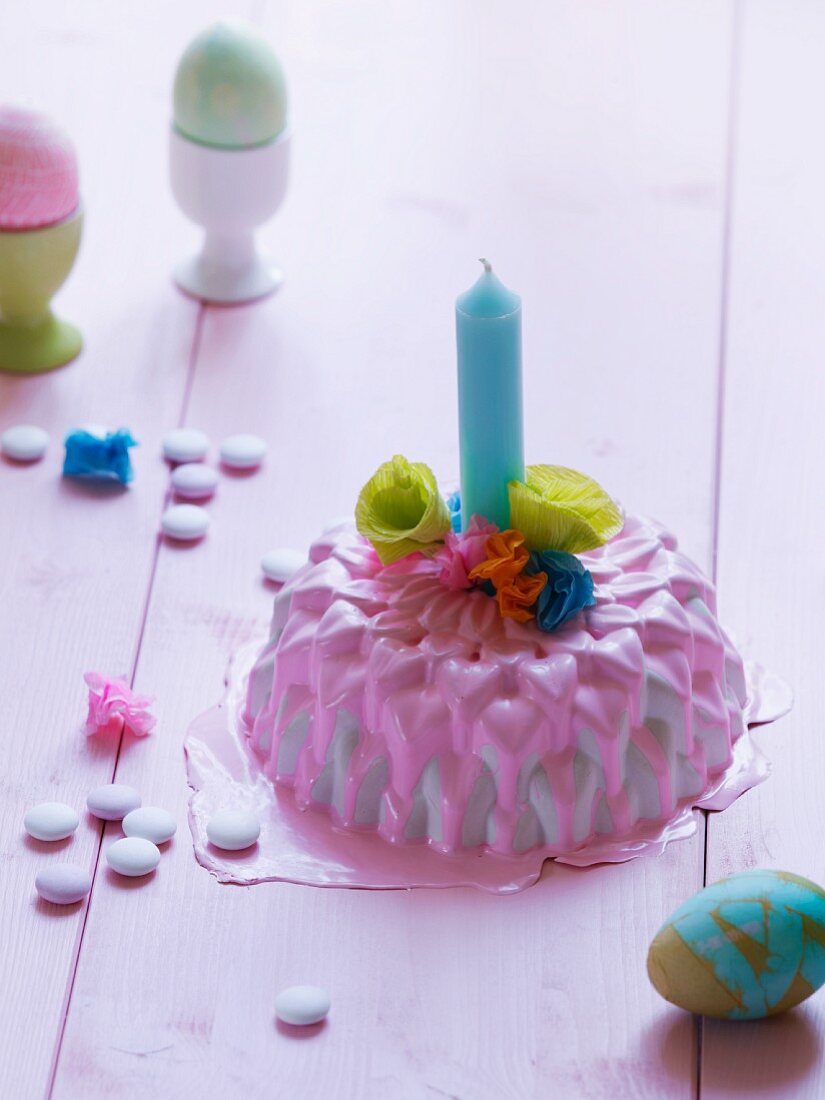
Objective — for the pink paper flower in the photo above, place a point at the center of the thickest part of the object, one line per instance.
(461, 553)
(113, 707)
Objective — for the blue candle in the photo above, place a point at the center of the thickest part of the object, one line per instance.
(491, 436)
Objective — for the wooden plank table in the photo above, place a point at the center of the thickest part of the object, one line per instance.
(648, 177)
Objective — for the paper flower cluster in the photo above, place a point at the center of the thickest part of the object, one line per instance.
(568, 590)
(402, 509)
(99, 458)
(531, 569)
(560, 509)
(114, 707)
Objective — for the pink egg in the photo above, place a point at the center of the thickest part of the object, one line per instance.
(38, 170)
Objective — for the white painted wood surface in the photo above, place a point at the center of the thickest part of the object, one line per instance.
(585, 148)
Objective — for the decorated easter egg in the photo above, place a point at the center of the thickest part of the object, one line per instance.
(38, 171)
(748, 946)
(230, 90)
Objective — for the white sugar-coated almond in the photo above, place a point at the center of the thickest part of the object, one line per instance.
(64, 884)
(112, 801)
(302, 1005)
(51, 821)
(233, 830)
(280, 565)
(194, 480)
(243, 451)
(185, 522)
(24, 442)
(133, 856)
(150, 823)
(185, 445)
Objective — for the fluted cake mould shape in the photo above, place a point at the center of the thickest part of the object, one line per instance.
(394, 733)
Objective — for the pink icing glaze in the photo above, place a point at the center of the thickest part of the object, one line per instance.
(298, 846)
(38, 171)
(406, 708)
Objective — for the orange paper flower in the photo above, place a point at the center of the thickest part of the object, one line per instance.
(506, 557)
(516, 600)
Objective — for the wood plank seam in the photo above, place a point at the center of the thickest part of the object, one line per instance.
(722, 353)
(187, 390)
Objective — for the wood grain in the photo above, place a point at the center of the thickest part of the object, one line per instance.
(587, 158)
(771, 563)
(75, 563)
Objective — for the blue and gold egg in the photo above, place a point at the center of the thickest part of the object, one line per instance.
(749, 946)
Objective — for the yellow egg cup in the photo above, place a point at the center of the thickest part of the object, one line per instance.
(34, 264)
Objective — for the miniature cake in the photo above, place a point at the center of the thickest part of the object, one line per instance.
(402, 705)
(512, 670)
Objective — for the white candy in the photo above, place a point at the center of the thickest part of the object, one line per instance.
(280, 565)
(51, 821)
(194, 481)
(63, 885)
(151, 823)
(133, 856)
(185, 522)
(112, 801)
(185, 445)
(302, 1005)
(24, 442)
(243, 452)
(233, 830)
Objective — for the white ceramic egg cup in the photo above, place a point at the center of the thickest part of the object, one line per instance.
(229, 193)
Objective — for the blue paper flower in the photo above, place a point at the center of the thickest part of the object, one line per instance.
(106, 459)
(569, 588)
(454, 508)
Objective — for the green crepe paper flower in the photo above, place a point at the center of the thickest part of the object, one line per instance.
(560, 509)
(400, 510)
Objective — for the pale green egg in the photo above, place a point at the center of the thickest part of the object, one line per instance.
(749, 946)
(230, 90)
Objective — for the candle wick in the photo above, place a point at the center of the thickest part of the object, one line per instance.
(488, 267)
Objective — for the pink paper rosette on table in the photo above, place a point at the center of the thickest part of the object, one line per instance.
(114, 707)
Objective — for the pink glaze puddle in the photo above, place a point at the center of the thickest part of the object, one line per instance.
(303, 846)
(420, 710)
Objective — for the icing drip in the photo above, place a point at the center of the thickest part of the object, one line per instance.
(294, 846)
(402, 706)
